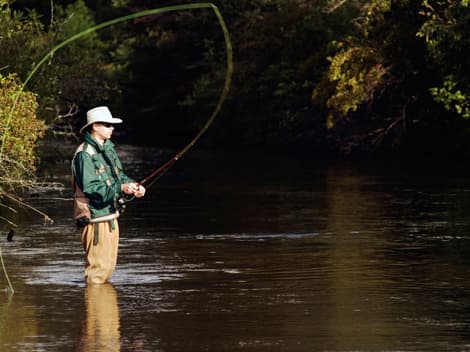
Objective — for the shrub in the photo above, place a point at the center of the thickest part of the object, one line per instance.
(20, 132)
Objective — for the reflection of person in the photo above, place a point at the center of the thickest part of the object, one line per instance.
(98, 184)
(102, 326)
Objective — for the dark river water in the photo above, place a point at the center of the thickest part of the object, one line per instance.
(230, 253)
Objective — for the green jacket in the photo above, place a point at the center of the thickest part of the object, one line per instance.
(98, 173)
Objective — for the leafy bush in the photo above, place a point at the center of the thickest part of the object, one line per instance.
(20, 131)
(445, 33)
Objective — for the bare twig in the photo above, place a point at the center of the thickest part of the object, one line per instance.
(334, 6)
(13, 210)
(8, 221)
(47, 219)
(12, 291)
(52, 14)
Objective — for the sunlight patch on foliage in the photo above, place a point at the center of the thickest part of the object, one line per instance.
(452, 98)
(444, 32)
(356, 74)
(21, 135)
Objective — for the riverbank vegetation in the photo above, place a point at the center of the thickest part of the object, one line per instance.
(329, 77)
(349, 77)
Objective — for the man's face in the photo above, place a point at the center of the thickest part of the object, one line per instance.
(103, 130)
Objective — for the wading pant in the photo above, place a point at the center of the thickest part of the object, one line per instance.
(100, 241)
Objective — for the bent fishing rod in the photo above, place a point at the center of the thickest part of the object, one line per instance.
(161, 170)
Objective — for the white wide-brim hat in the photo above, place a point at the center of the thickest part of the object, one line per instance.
(99, 114)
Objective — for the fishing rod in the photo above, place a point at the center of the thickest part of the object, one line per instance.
(161, 170)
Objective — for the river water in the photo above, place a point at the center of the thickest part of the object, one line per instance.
(257, 253)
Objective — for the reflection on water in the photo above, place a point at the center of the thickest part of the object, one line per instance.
(229, 254)
(101, 331)
(14, 331)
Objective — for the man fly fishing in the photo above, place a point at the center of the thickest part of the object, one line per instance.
(99, 182)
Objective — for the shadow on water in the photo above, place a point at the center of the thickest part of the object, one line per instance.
(228, 253)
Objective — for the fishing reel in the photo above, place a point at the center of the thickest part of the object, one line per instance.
(121, 204)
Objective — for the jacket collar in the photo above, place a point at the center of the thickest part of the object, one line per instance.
(98, 147)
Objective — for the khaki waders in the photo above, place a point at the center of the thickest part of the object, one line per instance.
(100, 241)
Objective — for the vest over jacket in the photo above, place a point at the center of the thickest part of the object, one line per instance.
(97, 179)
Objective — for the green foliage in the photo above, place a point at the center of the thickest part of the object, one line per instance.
(376, 71)
(75, 18)
(445, 32)
(375, 68)
(452, 98)
(22, 41)
(119, 3)
(82, 73)
(356, 73)
(279, 49)
(20, 129)
(357, 67)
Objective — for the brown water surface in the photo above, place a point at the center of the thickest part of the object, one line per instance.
(267, 254)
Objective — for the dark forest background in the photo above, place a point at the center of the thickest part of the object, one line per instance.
(325, 77)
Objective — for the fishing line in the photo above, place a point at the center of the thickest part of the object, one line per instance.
(159, 172)
(156, 174)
